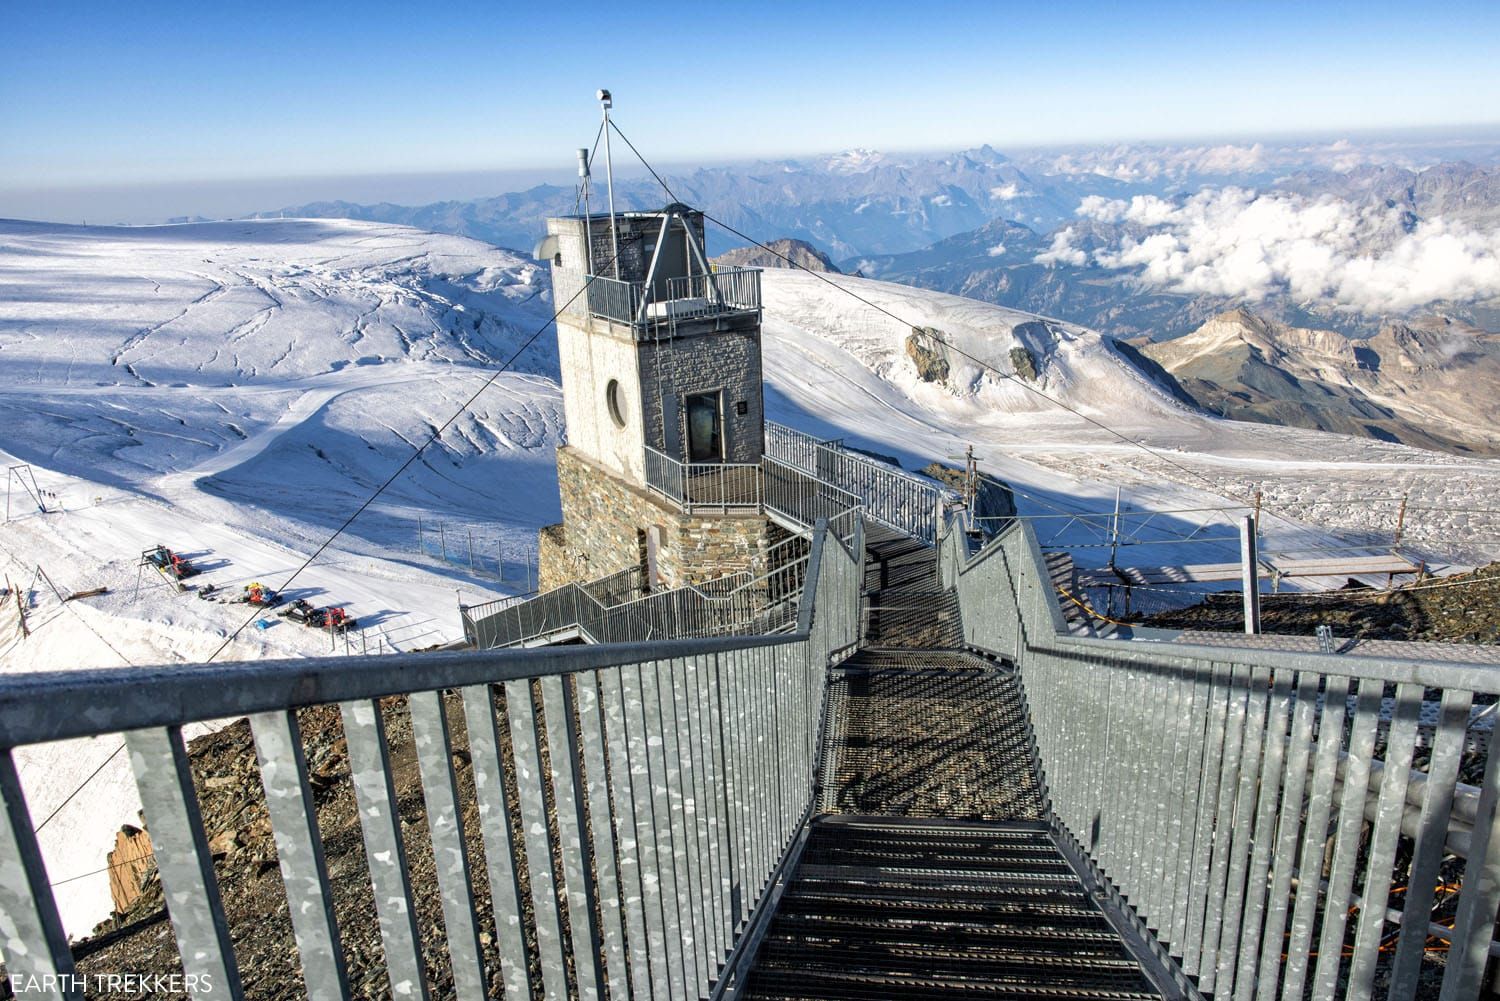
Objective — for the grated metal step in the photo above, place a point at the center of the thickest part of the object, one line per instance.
(928, 734)
(883, 908)
(905, 605)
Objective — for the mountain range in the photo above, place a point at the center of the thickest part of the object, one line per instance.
(1435, 384)
(1394, 243)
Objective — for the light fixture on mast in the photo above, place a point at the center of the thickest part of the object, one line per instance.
(606, 102)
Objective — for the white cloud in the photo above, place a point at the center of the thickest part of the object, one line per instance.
(1240, 244)
(942, 200)
(1005, 192)
(997, 250)
(1062, 251)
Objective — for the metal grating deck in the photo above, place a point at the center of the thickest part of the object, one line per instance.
(928, 734)
(914, 910)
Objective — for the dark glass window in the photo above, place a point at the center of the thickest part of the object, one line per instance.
(705, 428)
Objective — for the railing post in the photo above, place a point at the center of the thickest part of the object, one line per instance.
(299, 850)
(31, 933)
(164, 778)
(1250, 574)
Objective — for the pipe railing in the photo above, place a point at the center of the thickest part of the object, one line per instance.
(897, 499)
(765, 604)
(803, 498)
(1247, 803)
(699, 486)
(679, 772)
(690, 297)
(723, 291)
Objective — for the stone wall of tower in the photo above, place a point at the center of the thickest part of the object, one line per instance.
(726, 360)
(604, 526)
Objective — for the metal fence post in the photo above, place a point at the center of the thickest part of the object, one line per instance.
(1250, 573)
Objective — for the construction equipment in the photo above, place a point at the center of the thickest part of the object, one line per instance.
(168, 563)
(331, 618)
(261, 596)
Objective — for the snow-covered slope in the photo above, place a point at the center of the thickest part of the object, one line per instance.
(235, 391)
(842, 368)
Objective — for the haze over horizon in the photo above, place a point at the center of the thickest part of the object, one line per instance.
(168, 111)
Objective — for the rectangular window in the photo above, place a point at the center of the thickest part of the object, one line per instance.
(705, 427)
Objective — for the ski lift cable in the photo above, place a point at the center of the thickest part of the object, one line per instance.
(340, 530)
(1215, 486)
(417, 453)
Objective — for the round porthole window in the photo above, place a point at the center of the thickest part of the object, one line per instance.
(615, 402)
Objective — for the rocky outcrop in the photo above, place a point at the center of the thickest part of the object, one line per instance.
(779, 254)
(1023, 363)
(1467, 612)
(129, 866)
(925, 347)
(1433, 384)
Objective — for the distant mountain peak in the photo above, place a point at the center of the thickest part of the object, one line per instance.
(854, 161)
(1425, 383)
(802, 254)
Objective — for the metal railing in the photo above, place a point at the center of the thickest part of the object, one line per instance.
(1250, 804)
(803, 498)
(895, 498)
(611, 590)
(717, 486)
(738, 605)
(795, 448)
(678, 774)
(731, 290)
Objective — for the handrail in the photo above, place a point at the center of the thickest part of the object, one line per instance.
(696, 486)
(690, 610)
(898, 499)
(730, 725)
(634, 304)
(1235, 870)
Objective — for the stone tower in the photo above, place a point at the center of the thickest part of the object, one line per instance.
(661, 376)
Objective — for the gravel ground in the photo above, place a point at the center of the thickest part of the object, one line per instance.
(1464, 608)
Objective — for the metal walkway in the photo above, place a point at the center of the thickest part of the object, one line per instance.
(888, 908)
(930, 872)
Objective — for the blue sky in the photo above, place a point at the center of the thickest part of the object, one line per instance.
(159, 93)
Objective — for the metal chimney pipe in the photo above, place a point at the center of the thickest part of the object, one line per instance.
(588, 233)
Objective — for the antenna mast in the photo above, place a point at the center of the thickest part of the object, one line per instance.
(607, 102)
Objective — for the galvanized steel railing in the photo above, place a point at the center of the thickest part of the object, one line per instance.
(725, 290)
(803, 498)
(699, 486)
(1250, 805)
(679, 772)
(793, 447)
(761, 605)
(731, 290)
(610, 590)
(891, 496)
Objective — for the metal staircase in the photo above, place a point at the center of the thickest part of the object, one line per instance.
(886, 908)
(931, 871)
